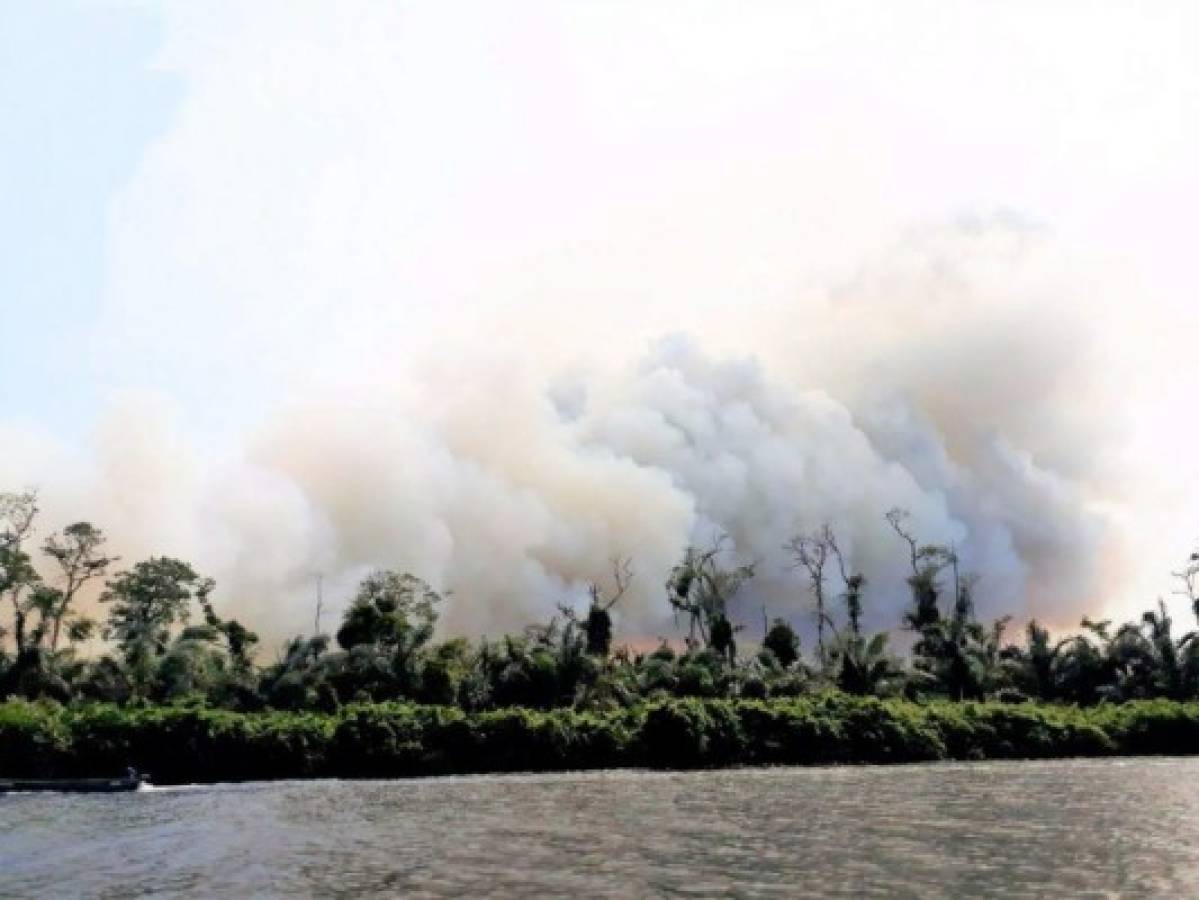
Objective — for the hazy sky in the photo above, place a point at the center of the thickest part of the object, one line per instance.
(213, 213)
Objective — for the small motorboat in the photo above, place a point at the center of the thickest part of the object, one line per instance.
(130, 781)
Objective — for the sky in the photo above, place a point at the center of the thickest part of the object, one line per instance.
(496, 291)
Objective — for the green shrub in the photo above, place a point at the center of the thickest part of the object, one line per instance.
(1153, 726)
(190, 744)
(690, 732)
(33, 739)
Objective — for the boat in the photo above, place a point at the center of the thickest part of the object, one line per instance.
(129, 782)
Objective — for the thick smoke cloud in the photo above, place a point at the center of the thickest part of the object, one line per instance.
(494, 295)
(511, 490)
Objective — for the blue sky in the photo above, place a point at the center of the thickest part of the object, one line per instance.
(79, 102)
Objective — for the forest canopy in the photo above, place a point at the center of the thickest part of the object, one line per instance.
(163, 641)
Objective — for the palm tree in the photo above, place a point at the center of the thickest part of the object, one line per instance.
(1036, 664)
(1084, 667)
(865, 666)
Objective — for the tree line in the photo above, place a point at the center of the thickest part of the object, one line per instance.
(165, 643)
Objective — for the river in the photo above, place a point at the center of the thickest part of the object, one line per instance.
(1015, 829)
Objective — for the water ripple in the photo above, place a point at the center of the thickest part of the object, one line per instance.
(1095, 828)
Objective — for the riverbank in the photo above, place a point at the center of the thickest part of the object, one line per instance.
(181, 744)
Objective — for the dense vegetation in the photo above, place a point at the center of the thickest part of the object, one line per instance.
(380, 695)
(181, 744)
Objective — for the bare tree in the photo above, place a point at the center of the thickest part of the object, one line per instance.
(598, 624)
(963, 586)
(1189, 576)
(852, 583)
(320, 603)
(927, 562)
(897, 518)
(701, 587)
(811, 552)
(622, 577)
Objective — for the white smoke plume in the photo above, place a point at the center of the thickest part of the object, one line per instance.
(511, 490)
(492, 293)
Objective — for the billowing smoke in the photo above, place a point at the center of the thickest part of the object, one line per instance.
(495, 295)
(511, 490)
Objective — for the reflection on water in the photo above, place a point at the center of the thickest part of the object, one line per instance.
(1066, 829)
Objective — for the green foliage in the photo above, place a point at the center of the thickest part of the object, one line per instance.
(721, 637)
(702, 587)
(444, 671)
(18, 577)
(195, 743)
(146, 601)
(382, 698)
(783, 642)
(34, 739)
(690, 733)
(192, 666)
(598, 628)
(79, 557)
(393, 610)
(866, 666)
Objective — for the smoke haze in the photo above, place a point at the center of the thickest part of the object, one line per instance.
(512, 489)
(492, 297)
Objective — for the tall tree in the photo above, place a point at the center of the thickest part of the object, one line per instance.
(390, 619)
(145, 603)
(702, 587)
(80, 557)
(1084, 665)
(858, 663)
(812, 552)
(950, 654)
(853, 585)
(18, 511)
(392, 609)
(1037, 663)
(927, 562)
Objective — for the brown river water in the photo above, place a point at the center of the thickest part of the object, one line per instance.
(1072, 828)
